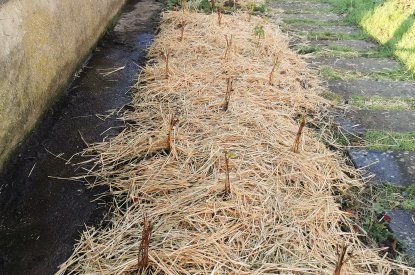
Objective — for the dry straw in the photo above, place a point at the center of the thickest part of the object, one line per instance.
(279, 215)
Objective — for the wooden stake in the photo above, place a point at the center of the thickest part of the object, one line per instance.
(228, 93)
(182, 30)
(219, 17)
(228, 46)
(144, 244)
(341, 259)
(170, 136)
(298, 136)
(227, 179)
(166, 56)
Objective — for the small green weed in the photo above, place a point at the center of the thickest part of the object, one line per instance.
(263, 7)
(330, 73)
(259, 32)
(306, 49)
(331, 96)
(408, 204)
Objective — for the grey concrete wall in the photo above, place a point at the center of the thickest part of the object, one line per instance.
(41, 44)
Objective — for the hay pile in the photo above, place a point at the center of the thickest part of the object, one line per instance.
(181, 148)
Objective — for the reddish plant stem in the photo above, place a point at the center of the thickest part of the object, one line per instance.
(228, 93)
(228, 46)
(340, 259)
(219, 17)
(182, 30)
(298, 136)
(227, 179)
(166, 57)
(144, 244)
(170, 136)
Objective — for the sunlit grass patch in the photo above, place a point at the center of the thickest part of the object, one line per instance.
(390, 22)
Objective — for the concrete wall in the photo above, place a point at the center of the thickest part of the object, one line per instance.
(41, 44)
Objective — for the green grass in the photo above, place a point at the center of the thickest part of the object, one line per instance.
(382, 103)
(396, 74)
(332, 74)
(306, 10)
(335, 36)
(334, 50)
(296, 22)
(306, 49)
(383, 140)
(389, 196)
(263, 7)
(340, 48)
(343, 51)
(391, 22)
(386, 197)
(331, 96)
(370, 207)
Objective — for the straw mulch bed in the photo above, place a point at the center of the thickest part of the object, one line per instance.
(181, 148)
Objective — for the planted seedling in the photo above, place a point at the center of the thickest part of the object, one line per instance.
(219, 17)
(144, 244)
(166, 55)
(182, 25)
(298, 135)
(170, 135)
(341, 254)
(271, 74)
(227, 179)
(228, 46)
(228, 93)
(259, 32)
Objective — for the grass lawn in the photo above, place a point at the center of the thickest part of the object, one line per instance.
(391, 22)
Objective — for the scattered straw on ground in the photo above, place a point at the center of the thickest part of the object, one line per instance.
(173, 162)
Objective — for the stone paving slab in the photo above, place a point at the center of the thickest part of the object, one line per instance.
(367, 87)
(348, 126)
(395, 121)
(391, 166)
(403, 225)
(325, 17)
(361, 64)
(294, 6)
(353, 45)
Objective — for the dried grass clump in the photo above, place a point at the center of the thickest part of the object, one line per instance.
(222, 189)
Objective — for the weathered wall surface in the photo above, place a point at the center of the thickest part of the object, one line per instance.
(41, 44)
